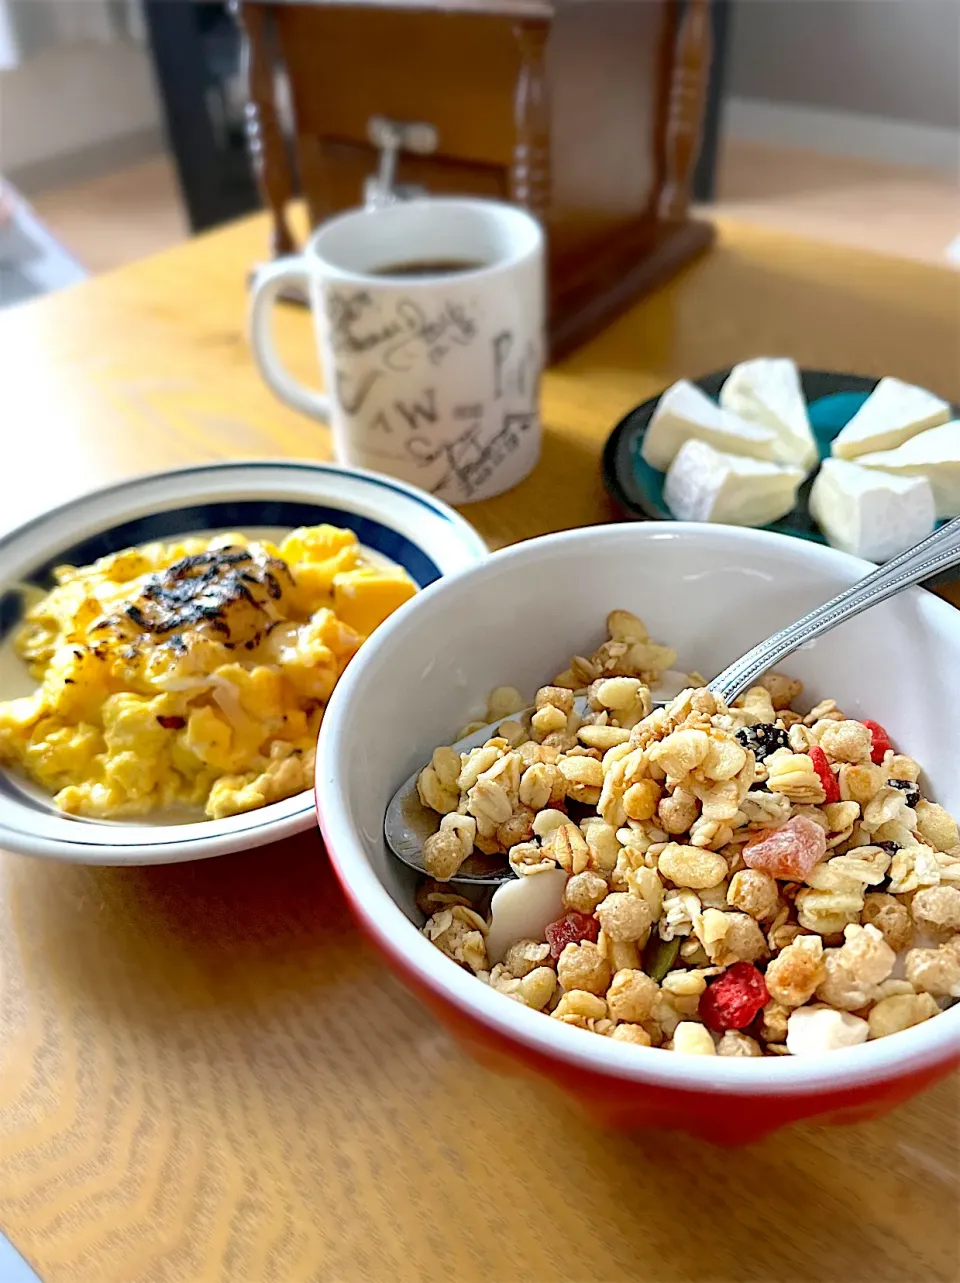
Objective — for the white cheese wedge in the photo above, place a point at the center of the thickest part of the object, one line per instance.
(892, 413)
(705, 485)
(684, 413)
(870, 513)
(934, 454)
(767, 391)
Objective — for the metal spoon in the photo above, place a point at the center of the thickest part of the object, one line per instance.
(408, 823)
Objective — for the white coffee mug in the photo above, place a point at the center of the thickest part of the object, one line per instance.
(434, 375)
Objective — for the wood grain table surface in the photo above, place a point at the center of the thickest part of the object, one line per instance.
(205, 1074)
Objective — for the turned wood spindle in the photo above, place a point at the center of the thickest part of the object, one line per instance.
(530, 175)
(265, 140)
(688, 91)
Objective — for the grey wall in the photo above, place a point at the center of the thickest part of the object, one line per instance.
(892, 58)
(71, 97)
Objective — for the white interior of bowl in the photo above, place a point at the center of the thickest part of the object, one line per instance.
(711, 592)
(448, 540)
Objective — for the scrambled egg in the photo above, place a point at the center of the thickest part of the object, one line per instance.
(193, 673)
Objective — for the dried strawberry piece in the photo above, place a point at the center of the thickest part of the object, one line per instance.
(789, 852)
(827, 778)
(734, 999)
(880, 741)
(571, 930)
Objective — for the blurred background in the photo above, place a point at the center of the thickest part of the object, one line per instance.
(122, 127)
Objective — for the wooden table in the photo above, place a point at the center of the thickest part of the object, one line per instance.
(205, 1074)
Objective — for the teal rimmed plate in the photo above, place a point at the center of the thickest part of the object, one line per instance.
(832, 400)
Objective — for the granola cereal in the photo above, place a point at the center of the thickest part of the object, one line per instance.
(743, 881)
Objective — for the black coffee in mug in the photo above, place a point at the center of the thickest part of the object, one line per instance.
(429, 267)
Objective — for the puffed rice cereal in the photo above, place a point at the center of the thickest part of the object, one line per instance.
(736, 881)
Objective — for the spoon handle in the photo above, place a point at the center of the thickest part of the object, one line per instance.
(939, 551)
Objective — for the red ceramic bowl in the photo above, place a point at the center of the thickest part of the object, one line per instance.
(517, 618)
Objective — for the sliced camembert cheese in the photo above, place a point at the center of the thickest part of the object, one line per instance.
(684, 412)
(704, 484)
(767, 391)
(870, 513)
(934, 454)
(892, 413)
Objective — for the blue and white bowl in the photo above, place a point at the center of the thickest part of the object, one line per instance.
(405, 524)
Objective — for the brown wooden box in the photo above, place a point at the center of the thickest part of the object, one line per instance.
(587, 113)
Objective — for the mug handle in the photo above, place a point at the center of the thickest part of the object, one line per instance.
(267, 284)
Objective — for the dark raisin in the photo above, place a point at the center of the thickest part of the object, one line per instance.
(910, 790)
(891, 848)
(763, 739)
